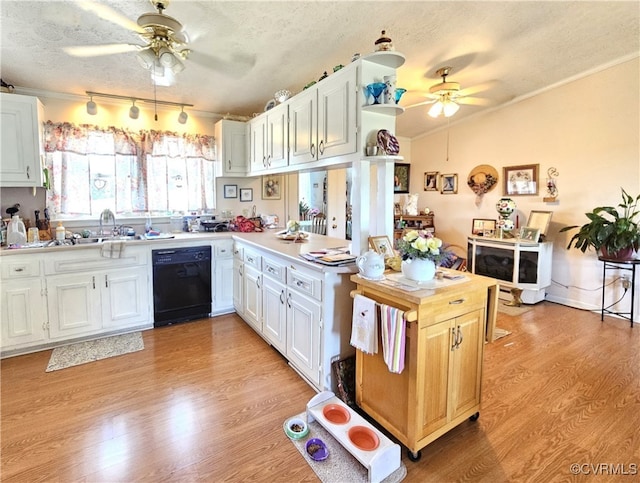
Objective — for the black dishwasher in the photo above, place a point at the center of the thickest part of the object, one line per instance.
(181, 284)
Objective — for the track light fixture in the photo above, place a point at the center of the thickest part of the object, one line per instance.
(134, 111)
(183, 116)
(92, 108)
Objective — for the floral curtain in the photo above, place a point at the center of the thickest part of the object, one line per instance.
(93, 168)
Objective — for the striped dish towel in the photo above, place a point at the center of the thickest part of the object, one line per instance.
(393, 329)
(364, 325)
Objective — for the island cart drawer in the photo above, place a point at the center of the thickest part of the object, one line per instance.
(20, 267)
(304, 282)
(457, 304)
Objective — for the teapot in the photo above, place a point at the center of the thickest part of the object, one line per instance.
(371, 265)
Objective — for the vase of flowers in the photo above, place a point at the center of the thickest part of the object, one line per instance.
(420, 252)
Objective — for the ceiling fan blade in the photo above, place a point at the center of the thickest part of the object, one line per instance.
(472, 101)
(98, 50)
(110, 15)
(237, 66)
(423, 103)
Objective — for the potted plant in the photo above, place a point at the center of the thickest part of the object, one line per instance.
(614, 231)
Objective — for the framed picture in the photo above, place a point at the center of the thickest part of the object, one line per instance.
(529, 234)
(382, 245)
(231, 191)
(540, 220)
(401, 178)
(483, 227)
(246, 194)
(397, 209)
(271, 187)
(521, 180)
(449, 184)
(431, 181)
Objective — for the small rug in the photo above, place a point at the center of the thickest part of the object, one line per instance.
(94, 350)
(340, 466)
(513, 311)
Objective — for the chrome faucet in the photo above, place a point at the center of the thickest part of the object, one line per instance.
(107, 218)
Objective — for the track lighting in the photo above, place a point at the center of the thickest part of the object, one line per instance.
(134, 111)
(183, 116)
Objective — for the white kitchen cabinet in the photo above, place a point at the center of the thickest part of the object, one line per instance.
(231, 144)
(323, 119)
(20, 163)
(303, 335)
(124, 297)
(252, 307)
(238, 286)
(274, 313)
(223, 273)
(269, 140)
(24, 304)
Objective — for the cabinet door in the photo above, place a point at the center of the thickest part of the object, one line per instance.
(74, 305)
(278, 137)
(231, 139)
(238, 286)
(303, 127)
(303, 335)
(274, 313)
(257, 142)
(337, 114)
(252, 308)
(464, 387)
(125, 297)
(24, 312)
(20, 159)
(223, 300)
(436, 367)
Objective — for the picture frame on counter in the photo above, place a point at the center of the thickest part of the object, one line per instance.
(246, 194)
(231, 191)
(483, 227)
(529, 234)
(271, 187)
(521, 180)
(382, 245)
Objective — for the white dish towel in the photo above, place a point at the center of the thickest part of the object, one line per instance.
(112, 249)
(364, 325)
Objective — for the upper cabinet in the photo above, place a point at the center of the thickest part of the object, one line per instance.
(326, 124)
(20, 164)
(231, 144)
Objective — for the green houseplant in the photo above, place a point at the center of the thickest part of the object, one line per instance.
(614, 231)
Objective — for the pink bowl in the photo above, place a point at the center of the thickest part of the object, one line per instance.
(336, 414)
(364, 438)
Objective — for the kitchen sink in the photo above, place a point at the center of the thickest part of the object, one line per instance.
(100, 239)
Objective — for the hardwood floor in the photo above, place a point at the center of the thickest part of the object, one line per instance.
(205, 401)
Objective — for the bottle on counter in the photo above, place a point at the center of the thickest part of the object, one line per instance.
(60, 232)
(147, 225)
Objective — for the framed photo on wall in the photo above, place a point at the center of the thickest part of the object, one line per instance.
(401, 178)
(449, 184)
(431, 181)
(521, 180)
(246, 194)
(231, 191)
(271, 187)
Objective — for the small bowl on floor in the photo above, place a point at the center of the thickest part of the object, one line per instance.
(296, 428)
(363, 438)
(336, 414)
(317, 449)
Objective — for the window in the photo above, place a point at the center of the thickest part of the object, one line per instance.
(92, 169)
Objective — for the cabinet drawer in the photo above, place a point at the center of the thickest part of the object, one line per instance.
(253, 259)
(20, 267)
(456, 304)
(304, 283)
(223, 249)
(274, 270)
(238, 252)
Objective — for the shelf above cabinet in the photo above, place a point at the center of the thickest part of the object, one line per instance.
(391, 109)
(390, 58)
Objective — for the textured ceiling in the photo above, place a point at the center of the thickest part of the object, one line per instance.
(243, 52)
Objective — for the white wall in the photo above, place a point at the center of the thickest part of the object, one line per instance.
(587, 129)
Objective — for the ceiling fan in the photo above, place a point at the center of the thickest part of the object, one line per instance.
(446, 96)
(165, 42)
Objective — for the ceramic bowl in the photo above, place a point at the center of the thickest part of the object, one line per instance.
(296, 428)
(282, 95)
(363, 438)
(336, 414)
(317, 449)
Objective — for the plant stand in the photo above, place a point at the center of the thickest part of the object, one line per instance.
(629, 265)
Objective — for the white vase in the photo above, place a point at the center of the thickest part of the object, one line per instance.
(419, 269)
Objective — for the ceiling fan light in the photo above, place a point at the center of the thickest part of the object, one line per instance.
(166, 57)
(182, 117)
(146, 58)
(450, 108)
(92, 108)
(436, 109)
(177, 67)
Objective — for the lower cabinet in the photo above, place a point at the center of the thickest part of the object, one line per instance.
(222, 273)
(24, 312)
(303, 334)
(238, 286)
(252, 306)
